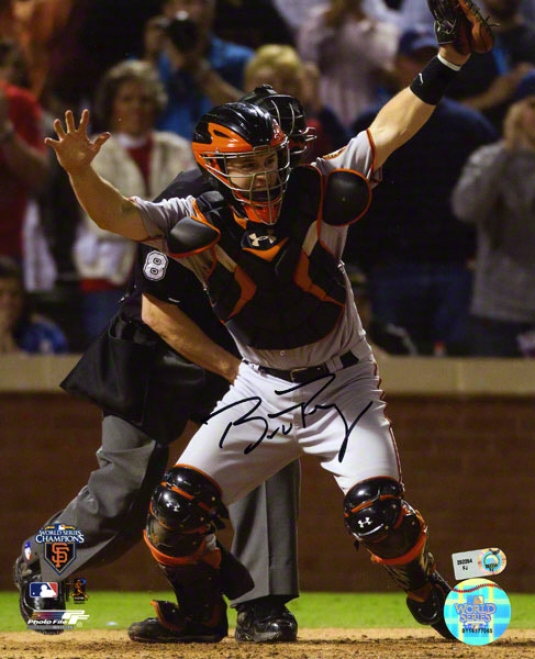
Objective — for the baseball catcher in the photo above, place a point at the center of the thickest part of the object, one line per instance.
(268, 251)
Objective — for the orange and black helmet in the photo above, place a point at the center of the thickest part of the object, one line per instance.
(237, 131)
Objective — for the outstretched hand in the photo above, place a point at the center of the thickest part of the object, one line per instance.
(74, 150)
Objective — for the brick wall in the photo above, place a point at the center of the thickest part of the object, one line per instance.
(467, 462)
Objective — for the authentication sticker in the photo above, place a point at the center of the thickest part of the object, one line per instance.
(478, 563)
(477, 611)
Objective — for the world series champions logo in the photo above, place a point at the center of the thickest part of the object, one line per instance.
(60, 543)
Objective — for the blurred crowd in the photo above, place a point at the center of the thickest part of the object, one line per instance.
(442, 264)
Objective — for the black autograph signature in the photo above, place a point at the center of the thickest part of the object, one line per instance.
(308, 408)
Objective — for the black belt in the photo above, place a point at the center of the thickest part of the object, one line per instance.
(310, 372)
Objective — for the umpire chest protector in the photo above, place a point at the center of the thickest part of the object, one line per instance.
(278, 286)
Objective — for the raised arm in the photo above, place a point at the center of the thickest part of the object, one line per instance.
(403, 116)
(104, 204)
(460, 30)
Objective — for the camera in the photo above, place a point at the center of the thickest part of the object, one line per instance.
(182, 31)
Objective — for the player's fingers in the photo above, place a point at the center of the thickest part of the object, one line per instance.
(84, 119)
(103, 137)
(51, 143)
(69, 121)
(58, 127)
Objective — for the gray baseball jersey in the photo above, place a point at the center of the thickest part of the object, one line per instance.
(265, 421)
(348, 335)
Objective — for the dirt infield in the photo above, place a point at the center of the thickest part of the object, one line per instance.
(312, 644)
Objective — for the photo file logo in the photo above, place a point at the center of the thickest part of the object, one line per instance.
(64, 619)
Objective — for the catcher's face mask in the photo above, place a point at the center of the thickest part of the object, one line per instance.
(245, 153)
(257, 179)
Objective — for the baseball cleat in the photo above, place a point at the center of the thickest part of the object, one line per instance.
(265, 621)
(430, 611)
(24, 575)
(170, 626)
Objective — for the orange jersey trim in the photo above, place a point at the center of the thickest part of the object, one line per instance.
(199, 217)
(247, 287)
(302, 279)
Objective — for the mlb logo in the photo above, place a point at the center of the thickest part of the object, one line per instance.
(44, 589)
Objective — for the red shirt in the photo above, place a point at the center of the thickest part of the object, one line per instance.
(25, 114)
(141, 156)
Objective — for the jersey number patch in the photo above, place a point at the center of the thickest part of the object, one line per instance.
(155, 266)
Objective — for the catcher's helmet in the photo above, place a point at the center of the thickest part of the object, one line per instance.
(234, 133)
(289, 114)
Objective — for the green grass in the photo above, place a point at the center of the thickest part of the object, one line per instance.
(113, 610)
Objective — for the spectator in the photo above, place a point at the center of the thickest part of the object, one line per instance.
(252, 23)
(97, 35)
(496, 192)
(331, 134)
(198, 68)
(20, 329)
(295, 11)
(13, 66)
(23, 163)
(277, 65)
(137, 158)
(414, 251)
(351, 50)
(41, 28)
(38, 246)
(281, 67)
(154, 39)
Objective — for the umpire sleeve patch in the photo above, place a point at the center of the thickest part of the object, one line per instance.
(155, 266)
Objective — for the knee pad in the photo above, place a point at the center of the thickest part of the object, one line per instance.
(378, 517)
(185, 507)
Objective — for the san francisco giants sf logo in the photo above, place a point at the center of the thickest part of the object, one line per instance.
(60, 554)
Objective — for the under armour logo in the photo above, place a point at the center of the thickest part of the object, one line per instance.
(263, 240)
(365, 522)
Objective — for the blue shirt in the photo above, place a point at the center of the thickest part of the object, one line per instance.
(186, 102)
(40, 336)
(410, 218)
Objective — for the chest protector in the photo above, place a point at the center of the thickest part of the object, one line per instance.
(279, 287)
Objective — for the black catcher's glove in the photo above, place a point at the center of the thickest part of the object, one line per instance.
(460, 23)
